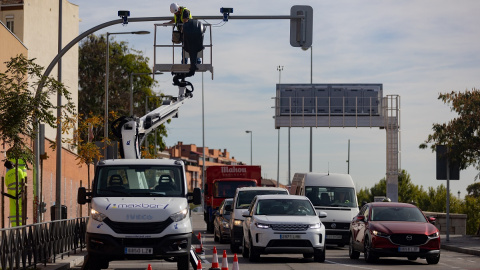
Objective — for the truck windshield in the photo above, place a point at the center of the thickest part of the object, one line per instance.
(226, 189)
(139, 181)
(332, 196)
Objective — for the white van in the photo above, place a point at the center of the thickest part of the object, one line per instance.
(241, 202)
(334, 194)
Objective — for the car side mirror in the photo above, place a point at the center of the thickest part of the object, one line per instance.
(360, 218)
(322, 214)
(432, 220)
(246, 214)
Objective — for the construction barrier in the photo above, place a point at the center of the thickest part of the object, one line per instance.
(215, 265)
(235, 262)
(199, 249)
(224, 261)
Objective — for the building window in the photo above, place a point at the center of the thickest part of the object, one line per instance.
(10, 25)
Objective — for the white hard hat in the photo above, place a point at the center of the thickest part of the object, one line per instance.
(174, 7)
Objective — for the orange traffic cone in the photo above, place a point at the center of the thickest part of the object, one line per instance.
(235, 262)
(149, 267)
(215, 265)
(224, 261)
(199, 265)
(199, 248)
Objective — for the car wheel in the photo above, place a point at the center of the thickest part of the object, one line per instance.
(412, 258)
(234, 248)
(252, 252)
(245, 250)
(319, 255)
(351, 251)
(307, 255)
(215, 235)
(183, 262)
(367, 252)
(434, 259)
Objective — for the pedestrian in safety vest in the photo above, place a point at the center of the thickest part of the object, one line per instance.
(14, 192)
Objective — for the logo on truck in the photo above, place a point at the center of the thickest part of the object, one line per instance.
(233, 170)
(138, 205)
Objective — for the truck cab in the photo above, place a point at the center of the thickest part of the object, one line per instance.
(139, 210)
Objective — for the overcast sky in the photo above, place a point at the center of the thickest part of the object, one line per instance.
(416, 49)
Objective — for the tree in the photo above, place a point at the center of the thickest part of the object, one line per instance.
(123, 61)
(460, 134)
(20, 106)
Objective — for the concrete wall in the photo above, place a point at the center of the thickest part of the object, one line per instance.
(458, 222)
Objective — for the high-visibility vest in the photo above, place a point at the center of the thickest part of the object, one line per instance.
(11, 181)
(178, 18)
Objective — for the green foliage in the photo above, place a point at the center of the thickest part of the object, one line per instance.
(461, 133)
(20, 106)
(123, 62)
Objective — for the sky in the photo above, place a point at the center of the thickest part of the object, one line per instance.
(415, 49)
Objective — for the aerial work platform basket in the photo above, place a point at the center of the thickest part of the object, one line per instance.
(168, 56)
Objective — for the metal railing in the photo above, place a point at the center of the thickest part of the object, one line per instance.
(27, 246)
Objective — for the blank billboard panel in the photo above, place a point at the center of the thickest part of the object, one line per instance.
(353, 101)
(287, 101)
(305, 101)
(337, 99)
(371, 102)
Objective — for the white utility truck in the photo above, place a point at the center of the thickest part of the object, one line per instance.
(139, 207)
(334, 194)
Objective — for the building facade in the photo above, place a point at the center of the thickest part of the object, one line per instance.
(30, 27)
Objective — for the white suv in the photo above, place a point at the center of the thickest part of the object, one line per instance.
(285, 224)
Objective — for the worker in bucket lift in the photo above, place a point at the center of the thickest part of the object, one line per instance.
(180, 15)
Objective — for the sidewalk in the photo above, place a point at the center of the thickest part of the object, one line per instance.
(462, 243)
(68, 262)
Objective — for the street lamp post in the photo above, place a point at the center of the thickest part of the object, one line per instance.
(279, 68)
(251, 145)
(107, 77)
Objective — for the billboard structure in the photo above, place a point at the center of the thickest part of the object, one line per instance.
(344, 105)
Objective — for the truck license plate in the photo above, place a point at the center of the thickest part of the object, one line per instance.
(290, 236)
(333, 236)
(134, 250)
(408, 249)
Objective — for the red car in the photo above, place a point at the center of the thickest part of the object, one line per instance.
(390, 229)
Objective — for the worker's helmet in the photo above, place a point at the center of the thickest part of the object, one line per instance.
(174, 7)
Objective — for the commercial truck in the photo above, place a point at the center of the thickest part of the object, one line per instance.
(140, 207)
(222, 182)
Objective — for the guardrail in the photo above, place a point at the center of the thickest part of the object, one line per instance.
(26, 246)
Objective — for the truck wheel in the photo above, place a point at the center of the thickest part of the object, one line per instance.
(183, 262)
(209, 227)
(93, 262)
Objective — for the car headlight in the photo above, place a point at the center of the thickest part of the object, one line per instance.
(262, 226)
(379, 233)
(179, 215)
(434, 235)
(315, 226)
(237, 222)
(97, 215)
(225, 224)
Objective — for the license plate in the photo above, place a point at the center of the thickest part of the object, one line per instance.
(133, 250)
(333, 236)
(290, 236)
(408, 249)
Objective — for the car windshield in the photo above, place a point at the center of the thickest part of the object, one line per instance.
(226, 189)
(245, 197)
(284, 207)
(139, 181)
(384, 213)
(332, 196)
